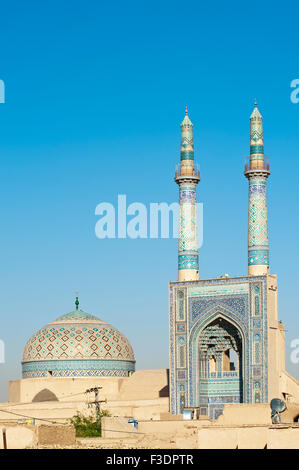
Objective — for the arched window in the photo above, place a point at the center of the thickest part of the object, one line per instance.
(219, 368)
(44, 395)
(220, 349)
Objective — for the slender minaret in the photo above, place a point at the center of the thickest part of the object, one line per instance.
(257, 172)
(187, 177)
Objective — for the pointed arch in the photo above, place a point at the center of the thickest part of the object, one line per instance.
(44, 395)
(216, 316)
(217, 311)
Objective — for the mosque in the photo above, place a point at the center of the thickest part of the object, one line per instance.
(226, 344)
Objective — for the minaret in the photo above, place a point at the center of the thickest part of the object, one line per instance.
(257, 172)
(187, 177)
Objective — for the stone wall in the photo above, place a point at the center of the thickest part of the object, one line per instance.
(142, 385)
(61, 412)
(163, 435)
(117, 427)
(249, 437)
(202, 434)
(65, 389)
(244, 413)
(22, 436)
(62, 435)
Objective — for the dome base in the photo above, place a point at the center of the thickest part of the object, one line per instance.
(78, 368)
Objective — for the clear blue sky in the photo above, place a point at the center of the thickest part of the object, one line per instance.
(95, 93)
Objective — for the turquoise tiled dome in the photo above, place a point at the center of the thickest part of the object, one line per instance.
(78, 345)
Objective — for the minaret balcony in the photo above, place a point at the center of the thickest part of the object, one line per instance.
(257, 166)
(187, 173)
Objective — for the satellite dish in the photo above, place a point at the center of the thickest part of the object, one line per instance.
(277, 406)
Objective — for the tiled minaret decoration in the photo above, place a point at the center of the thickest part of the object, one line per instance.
(257, 172)
(187, 177)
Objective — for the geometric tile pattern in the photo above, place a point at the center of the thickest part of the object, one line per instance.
(256, 131)
(187, 151)
(258, 241)
(241, 303)
(76, 373)
(77, 364)
(188, 241)
(188, 219)
(77, 336)
(258, 218)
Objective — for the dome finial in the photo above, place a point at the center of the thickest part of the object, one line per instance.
(77, 301)
(186, 111)
(255, 103)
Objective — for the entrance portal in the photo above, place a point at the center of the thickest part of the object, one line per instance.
(220, 367)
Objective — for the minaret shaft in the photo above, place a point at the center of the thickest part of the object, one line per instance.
(257, 172)
(187, 179)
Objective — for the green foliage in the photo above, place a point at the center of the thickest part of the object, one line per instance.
(89, 426)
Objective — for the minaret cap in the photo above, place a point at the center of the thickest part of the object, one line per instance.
(255, 113)
(186, 121)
